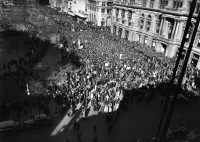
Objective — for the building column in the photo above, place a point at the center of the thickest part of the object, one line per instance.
(112, 29)
(119, 16)
(153, 24)
(170, 3)
(161, 25)
(174, 30)
(130, 35)
(117, 29)
(148, 3)
(172, 50)
(126, 17)
(150, 40)
(180, 31)
(113, 12)
(198, 64)
(123, 32)
(156, 4)
(141, 38)
(165, 29)
(134, 36)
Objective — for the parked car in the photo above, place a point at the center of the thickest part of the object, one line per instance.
(38, 121)
(194, 134)
(181, 99)
(193, 94)
(9, 126)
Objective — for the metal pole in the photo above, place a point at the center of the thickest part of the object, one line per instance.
(178, 88)
(192, 8)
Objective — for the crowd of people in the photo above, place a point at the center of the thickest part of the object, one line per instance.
(110, 65)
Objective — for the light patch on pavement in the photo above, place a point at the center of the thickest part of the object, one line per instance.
(64, 122)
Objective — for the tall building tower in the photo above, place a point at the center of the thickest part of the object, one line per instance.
(157, 23)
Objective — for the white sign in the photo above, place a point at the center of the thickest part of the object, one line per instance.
(107, 64)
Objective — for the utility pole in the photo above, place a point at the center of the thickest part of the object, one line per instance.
(178, 88)
(192, 8)
(25, 10)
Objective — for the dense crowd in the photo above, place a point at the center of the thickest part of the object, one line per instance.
(110, 65)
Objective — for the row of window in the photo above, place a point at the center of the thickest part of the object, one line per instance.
(104, 10)
(176, 4)
(194, 59)
(148, 22)
(107, 4)
(123, 14)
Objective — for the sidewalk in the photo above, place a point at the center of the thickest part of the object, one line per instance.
(35, 111)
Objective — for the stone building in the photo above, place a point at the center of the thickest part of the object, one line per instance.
(157, 23)
(100, 12)
(76, 8)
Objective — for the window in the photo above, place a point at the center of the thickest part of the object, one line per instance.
(145, 40)
(75, 2)
(102, 10)
(142, 21)
(120, 32)
(129, 17)
(163, 3)
(195, 59)
(138, 37)
(109, 4)
(114, 29)
(170, 30)
(148, 24)
(154, 43)
(151, 3)
(117, 12)
(132, 2)
(126, 34)
(158, 24)
(103, 4)
(144, 3)
(177, 4)
(198, 45)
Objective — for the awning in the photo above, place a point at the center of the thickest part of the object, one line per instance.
(70, 13)
(82, 15)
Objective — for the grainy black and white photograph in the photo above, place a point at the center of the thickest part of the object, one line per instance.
(99, 70)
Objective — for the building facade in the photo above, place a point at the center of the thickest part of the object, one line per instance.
(75, 8)
(100, 12)
(157, 23)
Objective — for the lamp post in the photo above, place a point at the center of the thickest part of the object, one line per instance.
(28, 93)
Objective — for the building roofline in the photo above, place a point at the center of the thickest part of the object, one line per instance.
(156, 10)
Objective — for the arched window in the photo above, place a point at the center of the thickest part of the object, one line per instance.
(158, 24)
(174, 4)
(117, 12)
(198, 42)
(126, 34)
(123, 13)
(129, 17)
(120, 32)
(114, 30)
(142, 21)
(148, 23)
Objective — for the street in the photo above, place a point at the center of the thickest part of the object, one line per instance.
(139, 120)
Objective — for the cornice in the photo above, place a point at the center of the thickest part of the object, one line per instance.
(162, 11)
